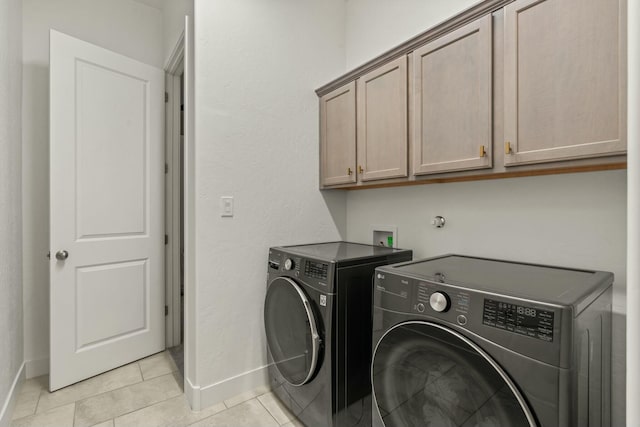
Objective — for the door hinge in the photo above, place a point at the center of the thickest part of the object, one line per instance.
(166, 97)
(166, 168)
(166, 310)
(166, 239)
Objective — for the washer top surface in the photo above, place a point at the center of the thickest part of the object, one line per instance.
(535, 282)
(341, 251)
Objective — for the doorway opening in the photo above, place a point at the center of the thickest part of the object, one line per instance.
(174, 206)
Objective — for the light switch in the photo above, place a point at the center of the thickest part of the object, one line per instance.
(226, 206)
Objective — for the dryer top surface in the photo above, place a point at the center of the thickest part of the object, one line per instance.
(343, 251)
(558, 285)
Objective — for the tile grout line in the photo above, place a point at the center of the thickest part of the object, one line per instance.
(267, 409)
(45, 390)
(139, 409)
(73, 419)
(87, 397)
(227, 408)
(135, 410)
(255, 396)
(35, 411)
(140, 369)
(144, 407)
(93, 395)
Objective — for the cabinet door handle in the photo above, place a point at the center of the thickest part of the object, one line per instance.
(349, 171)
(482, 151)
(360, 170)
(507, 148)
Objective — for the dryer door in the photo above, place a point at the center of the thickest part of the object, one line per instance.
(424, 374)
(292, 331)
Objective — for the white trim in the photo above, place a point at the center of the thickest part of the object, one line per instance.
(233, 386)
(36, 367)
(173, 69)
(633, 212)
(193, 394)
(190, 285)
(168, 217)
(176, 56)
(10, 401)
(173, 143)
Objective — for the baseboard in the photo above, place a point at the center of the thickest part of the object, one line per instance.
(37, 367)
(192, 392)
(225, 389)
(10, 401)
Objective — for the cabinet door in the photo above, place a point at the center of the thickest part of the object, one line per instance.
(452, 101)
(338, 136)
(564, 80)
(382, 122)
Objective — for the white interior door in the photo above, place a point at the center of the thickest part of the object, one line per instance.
(107, 166)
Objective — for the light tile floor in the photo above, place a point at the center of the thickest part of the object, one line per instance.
(145, 393)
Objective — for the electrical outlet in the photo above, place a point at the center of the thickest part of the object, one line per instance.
(385, 235)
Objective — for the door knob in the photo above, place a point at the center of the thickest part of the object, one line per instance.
(62, 255)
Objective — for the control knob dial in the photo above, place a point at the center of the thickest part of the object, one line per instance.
(439, 301)
(288, 264)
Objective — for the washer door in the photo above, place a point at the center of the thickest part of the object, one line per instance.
(424, 374)
(292, 332)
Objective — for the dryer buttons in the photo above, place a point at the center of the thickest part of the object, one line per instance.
(462, 320)
(420, 307)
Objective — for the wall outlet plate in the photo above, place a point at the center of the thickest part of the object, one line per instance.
(384, 235)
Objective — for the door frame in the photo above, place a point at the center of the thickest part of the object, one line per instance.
(173, 215)
(183, 53)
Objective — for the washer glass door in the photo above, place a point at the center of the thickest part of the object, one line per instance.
(292, 331)
(428, 375)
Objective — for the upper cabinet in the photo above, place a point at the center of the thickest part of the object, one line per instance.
(564, 80)
(503, 89)
(452, 101)
(338, 136)
(382, 122)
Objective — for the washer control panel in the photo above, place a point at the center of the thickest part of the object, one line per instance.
(437, 300)
(527, 327)
(520, 319)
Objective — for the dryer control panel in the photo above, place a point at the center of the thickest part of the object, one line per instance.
(312, 272)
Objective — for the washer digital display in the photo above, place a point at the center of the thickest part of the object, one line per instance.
(520, 319)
